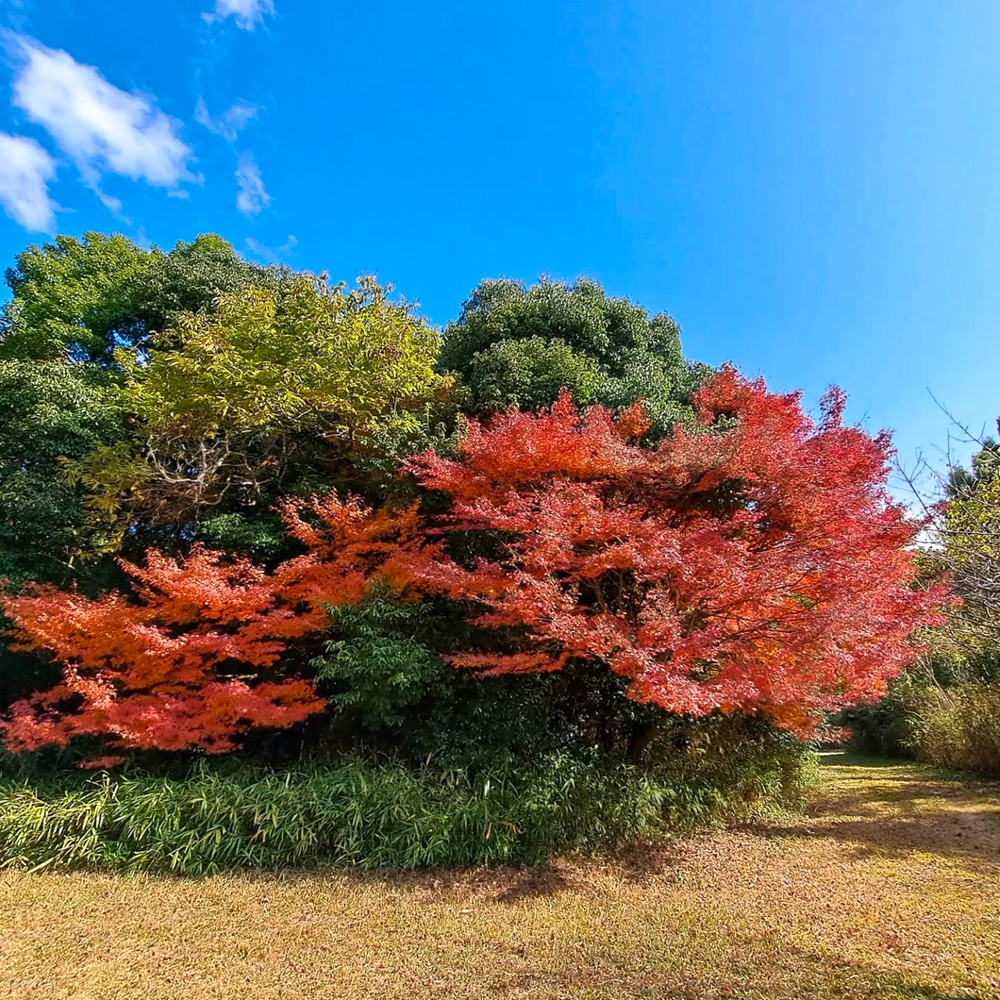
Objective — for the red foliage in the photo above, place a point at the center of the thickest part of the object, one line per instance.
(193, 657)
(755, 563)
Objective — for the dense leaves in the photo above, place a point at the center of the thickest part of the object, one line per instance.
(758, 563)
(50, 412)
(85, 299)
(317, 508)
(197, 655)
(267, 392)
(322, 358)
(74, 305)
(380, 813)
(519, 346)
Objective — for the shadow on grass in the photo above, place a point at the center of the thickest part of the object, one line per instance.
(876, 807)
(887, 807)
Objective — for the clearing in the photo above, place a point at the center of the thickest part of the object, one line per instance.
(888, 889)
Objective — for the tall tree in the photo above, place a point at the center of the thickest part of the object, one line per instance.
(84, 299)
(274, 391)
(74, 304)
(756, 562)
(517, 346)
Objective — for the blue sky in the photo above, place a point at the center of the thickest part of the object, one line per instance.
(812, 189)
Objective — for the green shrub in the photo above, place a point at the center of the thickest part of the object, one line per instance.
(884, 728)
(372, 814)
(377, 666)
(730, 769)
(960, 728)
(357, 813)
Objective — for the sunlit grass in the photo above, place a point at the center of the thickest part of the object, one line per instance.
(888, 888)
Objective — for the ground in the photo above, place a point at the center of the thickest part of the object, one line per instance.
(888, 889)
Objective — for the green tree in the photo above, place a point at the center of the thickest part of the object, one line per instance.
(50, 412)
(983, 469)
(75, 305)
(517, 346)
(275, 391)
(84, 299)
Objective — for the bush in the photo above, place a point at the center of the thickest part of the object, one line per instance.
(960, 728)
(884, 728)
(730, 769)
(372, 814)
(357, 813)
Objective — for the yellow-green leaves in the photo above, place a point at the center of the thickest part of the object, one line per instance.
(312, 357)
(275, 389)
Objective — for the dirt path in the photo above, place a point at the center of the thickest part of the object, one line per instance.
(888, 889)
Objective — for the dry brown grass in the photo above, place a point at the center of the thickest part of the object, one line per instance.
(888, 889)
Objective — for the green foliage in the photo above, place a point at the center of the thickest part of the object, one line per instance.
(73, 298)
(50, 411)
(65, 432)
(944, 709)
(969, 552)
(983, 469)
(272, 393)
(517, 346)
(260, 537)
(390, 688)
(86, 299)
(377, 665)
(729, 769)
(529, 373)
(959, 728)
(314, 357)
(885, 728)
(361, 813)
(358, 813)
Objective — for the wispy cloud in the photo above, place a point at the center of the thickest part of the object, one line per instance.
(101, 128)
(14, 13)
(246, 12)
(25, 170)
(251, 197)
(272, 255)
(230, 123)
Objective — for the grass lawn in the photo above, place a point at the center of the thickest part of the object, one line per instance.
(888, 889)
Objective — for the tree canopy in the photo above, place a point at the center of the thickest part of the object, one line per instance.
(235, 499)
(270, 389)
(518, 346)
(84, 299)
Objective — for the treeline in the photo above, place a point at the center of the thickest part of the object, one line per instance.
(945, 707)
(245, 509)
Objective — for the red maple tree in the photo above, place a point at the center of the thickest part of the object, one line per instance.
(193, 658)
(756, 562)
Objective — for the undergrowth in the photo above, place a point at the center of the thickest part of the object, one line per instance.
(960, 728)
(377, 813)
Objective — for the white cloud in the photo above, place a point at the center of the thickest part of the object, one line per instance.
(246, 12)
(101, 128)
(251, 197)
(25, 170)
(272, 255)
(230, 123)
